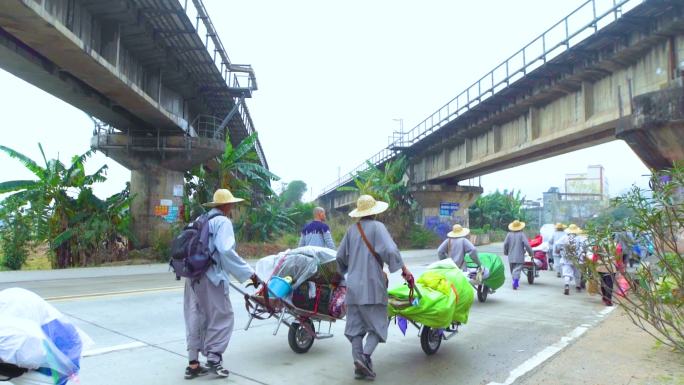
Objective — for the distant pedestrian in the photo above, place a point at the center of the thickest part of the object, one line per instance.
(607, 266)
(555, 237)
(457, 245)
(515, 245)
(626, 241)
(208, 313)
(365, 249)
(572, 250)
(316, 232)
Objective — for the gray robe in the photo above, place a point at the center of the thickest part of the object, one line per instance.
(366, 291)
(515, 245)
(456, 249)
(365, 280)
(557, 235)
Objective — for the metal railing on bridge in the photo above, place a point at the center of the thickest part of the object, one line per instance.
(583, 22)
(239, 78)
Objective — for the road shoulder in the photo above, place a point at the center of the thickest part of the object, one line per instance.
(613, 352)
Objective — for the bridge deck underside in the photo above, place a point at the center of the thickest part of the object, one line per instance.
(141, 60)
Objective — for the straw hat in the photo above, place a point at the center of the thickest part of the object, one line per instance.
(516, 225)
(366, 205)
(458, 232)
(573, 229)
(221, 197)
(560, 226)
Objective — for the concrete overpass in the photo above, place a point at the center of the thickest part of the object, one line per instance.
(153, 74)
(609, 70)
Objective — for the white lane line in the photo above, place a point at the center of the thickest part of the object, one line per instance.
(549, 351)
(115, 348)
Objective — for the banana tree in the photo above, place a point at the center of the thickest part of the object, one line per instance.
(49, 196)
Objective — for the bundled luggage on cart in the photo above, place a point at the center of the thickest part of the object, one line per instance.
(436, 306)
(493, 276)
(538, 261)
(38, 343)
(303, 290)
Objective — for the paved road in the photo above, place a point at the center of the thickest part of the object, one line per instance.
(134, 314)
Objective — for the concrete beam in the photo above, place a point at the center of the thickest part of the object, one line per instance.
(177, 153)
(655, 131)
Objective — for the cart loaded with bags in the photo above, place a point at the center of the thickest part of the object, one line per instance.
(437, 305)
(303, 291)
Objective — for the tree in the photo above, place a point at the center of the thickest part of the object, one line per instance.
(387, 184)
(237, 169)
(293, 193)
(60, 202)
(496, 210)
(655, 297)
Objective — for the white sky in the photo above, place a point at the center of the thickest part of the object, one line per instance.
(332, 77)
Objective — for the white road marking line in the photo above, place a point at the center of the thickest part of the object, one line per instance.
(97, 352)
(550, 351)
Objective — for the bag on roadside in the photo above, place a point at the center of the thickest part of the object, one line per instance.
(190, 254)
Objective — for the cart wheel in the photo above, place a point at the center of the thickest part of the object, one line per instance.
(430, 340)
(299, 338)
(530, 275)
(482, 291)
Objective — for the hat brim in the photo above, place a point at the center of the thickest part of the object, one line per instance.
(516, 228)
(378, 207)
(217, 204)
(576, 232)
(459, 234)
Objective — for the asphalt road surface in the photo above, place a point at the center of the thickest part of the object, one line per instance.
(135, 317)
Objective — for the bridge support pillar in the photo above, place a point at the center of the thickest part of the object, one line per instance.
(443, 206)
(157, 167)
(655, 130)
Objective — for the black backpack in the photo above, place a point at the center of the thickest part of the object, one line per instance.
(190, 255)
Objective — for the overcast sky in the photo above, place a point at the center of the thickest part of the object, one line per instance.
(332, 78)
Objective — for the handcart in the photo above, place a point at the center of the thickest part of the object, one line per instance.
(533, 264)
(430, 338)
(305, 326)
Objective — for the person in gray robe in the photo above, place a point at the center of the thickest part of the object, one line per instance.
(572, 250)
(207, 309)
(366, 281)
(456, 246)
(515, 245)
(555, 258)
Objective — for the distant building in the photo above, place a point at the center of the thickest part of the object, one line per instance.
(584, 186)
(585, 195)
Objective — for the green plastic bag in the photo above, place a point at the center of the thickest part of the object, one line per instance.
(435, 308)
(493, 263)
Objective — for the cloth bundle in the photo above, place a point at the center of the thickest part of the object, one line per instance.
(493, 263)
(301, 264)
(35, 335)
(445, 297)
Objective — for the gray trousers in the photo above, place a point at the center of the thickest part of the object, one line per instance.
(369, 321)
(516, 268)
(209, 319)
(571, 274)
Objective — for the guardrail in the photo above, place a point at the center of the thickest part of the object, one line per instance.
(583, 22)
(238, 77)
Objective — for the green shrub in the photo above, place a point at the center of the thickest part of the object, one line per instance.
(421, 238)
(14, 237)
(289, 240)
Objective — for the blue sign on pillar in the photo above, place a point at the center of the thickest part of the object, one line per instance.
(447, 209)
